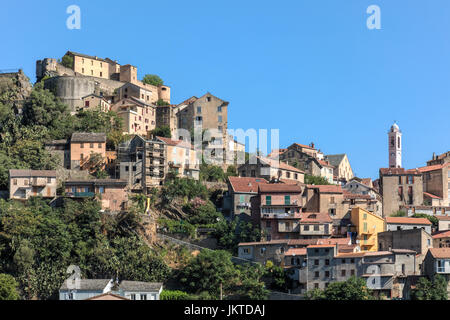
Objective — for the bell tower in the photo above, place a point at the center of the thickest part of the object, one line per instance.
(395, 147)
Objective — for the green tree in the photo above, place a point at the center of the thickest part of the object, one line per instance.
(67, 61)
(208, 271)
(352, 289)
(161, 102)
(430, 290)
(432, 219)
(399, 213)
(315, 180)
(8, 287)
(152, 79)
(174, 295)
(163, 131)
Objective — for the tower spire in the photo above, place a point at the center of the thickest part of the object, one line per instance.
(395, 146)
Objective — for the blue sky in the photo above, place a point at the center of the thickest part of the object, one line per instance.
(310, 68)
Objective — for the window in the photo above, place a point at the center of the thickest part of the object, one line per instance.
(101, 189)
(101, 74)
(143, 297)
(219, 109)
(91, 146)
(316, 286)
(316, 262)
(133, 297)
(316, 274)
(81, 145)
(220, 128)
(332, 200)
(127, 168)
(410, 179)
(287, 200)
(82, 70)
(134, 168)
(343, 261)
(327, 262)
(15, 182)
(327, 274)
(352, 272)
(399, 179)
(220, 119)
(268, 200)
(316, 228)
(49, 180)
(199, 109)
(295, 176)
(253, 173)
(343, 273)
(81, 156)
(352, 260)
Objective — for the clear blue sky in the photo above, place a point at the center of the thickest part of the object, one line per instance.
(310, 68)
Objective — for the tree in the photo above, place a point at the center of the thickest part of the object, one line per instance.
(352, 289)
(67, 61)
(163, 131)
(161, 102)
(153, 80)
(209, 271)
(174, 295)
(211, 173)
(430, 290)
(398, 213)
(315, 180)
(8, 287)
(432, 219)
(231, 171)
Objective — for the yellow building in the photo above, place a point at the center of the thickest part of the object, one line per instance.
(367, 225)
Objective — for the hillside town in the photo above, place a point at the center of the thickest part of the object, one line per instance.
(109, 157)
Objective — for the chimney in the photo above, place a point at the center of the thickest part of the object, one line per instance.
(312, 145)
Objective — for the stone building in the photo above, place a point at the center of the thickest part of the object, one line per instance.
(166, 115)
(343, 171)
(276, 210)
(142, 163)
(240, 192)
(440, 159)
(112, 193)
(441, 239)
(437, 261)
(83, 146)
(270, 169)
(96, 102)
(407, 223)
(139, 117)
(181, 158)
(400, 187)
(417, 240)
(436, 184)
(24, 184)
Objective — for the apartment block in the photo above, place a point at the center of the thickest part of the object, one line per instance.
(83, 145)
(270, 170)
(138, 117)
(142, 163)
(367, 225)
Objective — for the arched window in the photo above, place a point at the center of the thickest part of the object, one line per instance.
(398, 143)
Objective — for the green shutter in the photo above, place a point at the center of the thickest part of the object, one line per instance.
(287, 199)
(268, 200)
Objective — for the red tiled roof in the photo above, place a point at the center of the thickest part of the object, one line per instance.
(175, 143)
(279, 187)
(281, 241)
(443, 218)
(300, 242)
(315, 217)
(32, 173)
(246, 184)
(288, 181)
(325, 163)
(350, 254)
(440, 253)
(326, 188)
(321, 246)
(304, 146)
(442, 234)
(430, 195)
(405, 220)
(276, 152)
(189, 101)
(367, 182)
(279, 164)
(340, 241)
(398, 171)
(432, 168)
(296, 252)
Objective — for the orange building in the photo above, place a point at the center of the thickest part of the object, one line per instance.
(83, 145)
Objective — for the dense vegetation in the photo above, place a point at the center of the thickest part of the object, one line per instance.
(436, 289)
(38, 243)
(352, 289)
(152, 79)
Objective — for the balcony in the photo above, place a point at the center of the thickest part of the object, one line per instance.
(280, 215)
(80, 194)
(38, 182)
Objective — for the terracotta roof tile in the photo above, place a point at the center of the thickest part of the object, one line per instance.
(405, 220)
(398, 171)
(442, 234)
(440, 253)
(326, 188)
(443, 218)
(176, 143)
(315, 217)
(432, 168)
(430, 195)
(279, 187)
(279, 164)
(32, 173)
(246, 184)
